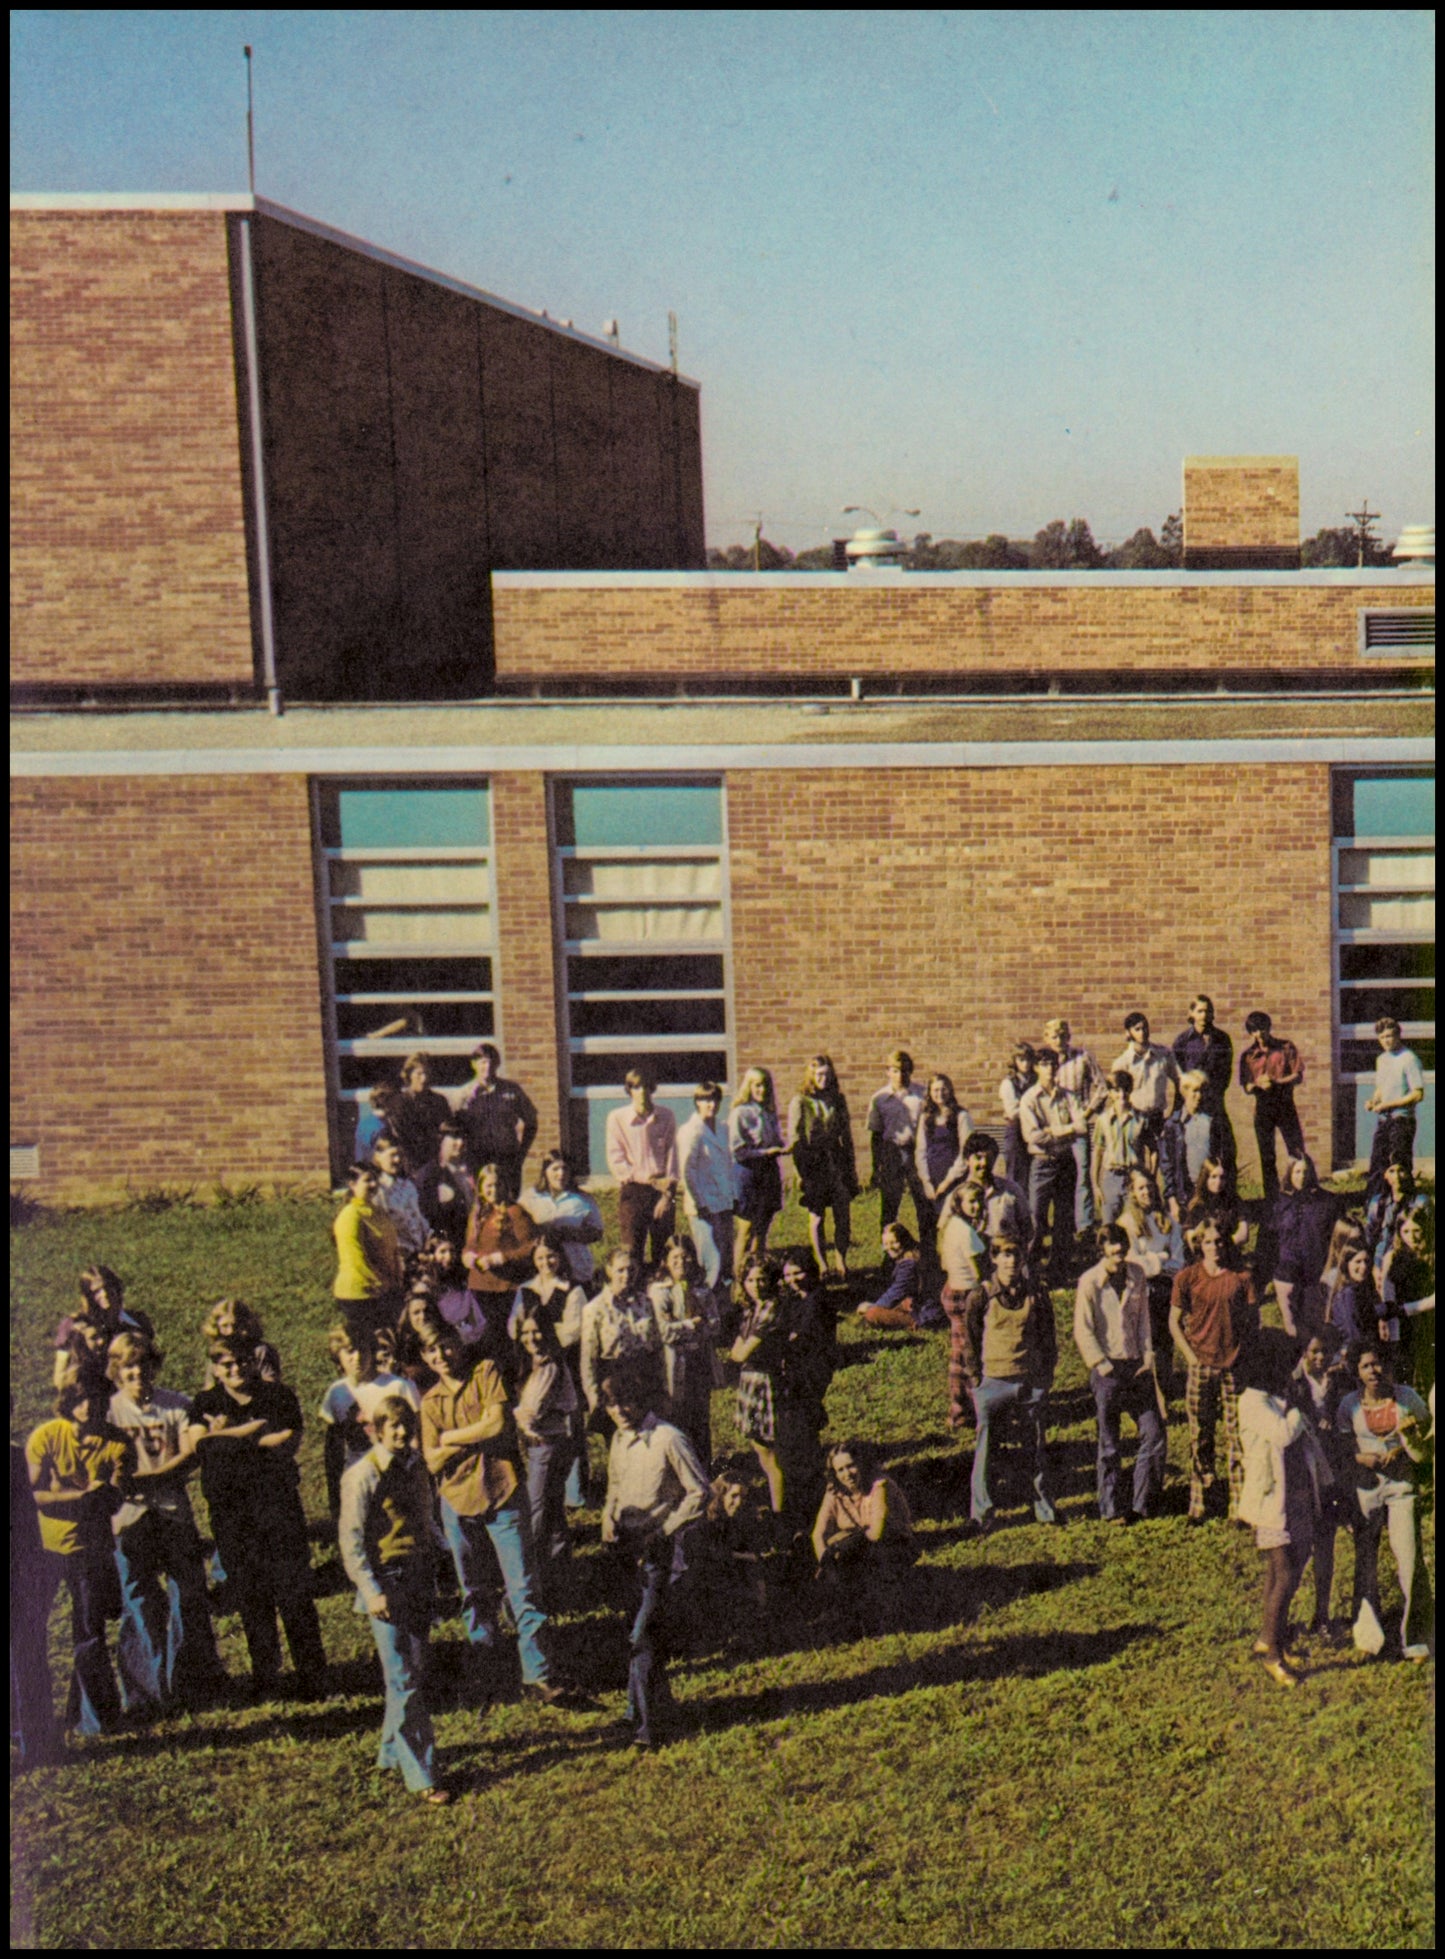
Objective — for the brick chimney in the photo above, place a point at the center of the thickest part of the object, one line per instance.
(1241, 513)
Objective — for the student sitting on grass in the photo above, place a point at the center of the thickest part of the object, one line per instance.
(864, 1528)
(1286, 1480)
(350, 1403)
(900, 1304)
(247, 1432)
(167, 1649)
(78, 1465)
(386, 1547)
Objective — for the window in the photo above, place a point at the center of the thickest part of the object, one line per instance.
(1384, 916)
(641, 892)
(1405, 634)
(408, 933)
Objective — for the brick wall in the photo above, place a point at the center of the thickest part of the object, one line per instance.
(165, 1001)
(1240, 509)
(716, 626)
(128, 525)
(956, 911)
(528, 972)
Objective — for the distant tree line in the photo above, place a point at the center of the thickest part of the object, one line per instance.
(1059, 546)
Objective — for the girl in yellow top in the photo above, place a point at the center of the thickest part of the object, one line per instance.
(368, 1256)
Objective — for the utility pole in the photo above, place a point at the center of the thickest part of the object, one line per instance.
(1362, 520)
(758, 543)
(250, 126)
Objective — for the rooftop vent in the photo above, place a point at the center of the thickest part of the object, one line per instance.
(876, 550)
(1416, 545)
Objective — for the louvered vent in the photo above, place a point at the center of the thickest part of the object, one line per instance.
(1410, 633)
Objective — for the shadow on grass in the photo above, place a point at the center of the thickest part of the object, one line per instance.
(1019, 1656)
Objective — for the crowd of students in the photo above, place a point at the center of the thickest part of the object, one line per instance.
(478, 1344)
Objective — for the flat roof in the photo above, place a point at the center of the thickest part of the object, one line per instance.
(1382, 578)
(675, 736)
(243, 201)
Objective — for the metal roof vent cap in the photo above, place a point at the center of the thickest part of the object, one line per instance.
(875, 550)
(1416, 544)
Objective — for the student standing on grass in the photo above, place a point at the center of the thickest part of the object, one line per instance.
(102, 1302)
(1302, 1222)
(1204, 1049)
(619, 1325)
(396, 1194)
(1192, 1136)
(368, 1284)
(1053, 1122)
(77, 1466)
(1284, 1492)
(1407, 1296)
(32, 1693)
(417, 1114)
(1112, 1334)
(500, 1247)
(1079, 1075)
(1154, 1072)
(1213, 1313)
(469, 1443)
(499, 1118)
(1270, 1071)
(1396, 1195)
(762, 1352)
(820, 1136)
(1117, 1148)
(893, 1116)
(1399, 1087)
(1011, 1091)
(167, 1649)
(545, 1411)
(556, 1204)
(939, 1160)
(348, 1407)
(247, 1432)
(756, 1139)
(1351, 1302)
(1010, 1354)
(1157, 1243)
(1318, 1385)
(445, 1189)
(656, 1490)
(641, 1149)
(687, 1326)
(708, 1179)
(963, 1243)
(551, 1298)
(1384, 1428)
(385, 1536)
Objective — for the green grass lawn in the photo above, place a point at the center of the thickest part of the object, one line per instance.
(1057, 1738)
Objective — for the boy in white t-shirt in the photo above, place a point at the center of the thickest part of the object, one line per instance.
(167, 1650)
(349, 1405)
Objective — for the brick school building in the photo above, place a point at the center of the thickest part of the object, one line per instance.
(364, 679)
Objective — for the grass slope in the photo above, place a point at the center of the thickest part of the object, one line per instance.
(1057, 1739)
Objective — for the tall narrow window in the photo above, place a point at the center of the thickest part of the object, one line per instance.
(406, 890)
(1384, 910)
(641, 885)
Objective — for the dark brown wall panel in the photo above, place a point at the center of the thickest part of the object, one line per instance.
(636, 468)
(521, 453)
(582, 408)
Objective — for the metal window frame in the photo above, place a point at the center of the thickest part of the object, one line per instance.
(331, 949)
(570, 1044)
(1340, 936)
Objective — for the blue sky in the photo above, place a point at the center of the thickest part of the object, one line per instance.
(1003, 266)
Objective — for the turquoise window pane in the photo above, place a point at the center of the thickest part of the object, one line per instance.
(413, 819)
(1365, 1121)
(1395, 806)
(625, 813)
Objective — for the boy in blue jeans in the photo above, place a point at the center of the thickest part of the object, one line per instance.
(385, 1539)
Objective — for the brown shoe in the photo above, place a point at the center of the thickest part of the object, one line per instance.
(544, 1691)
